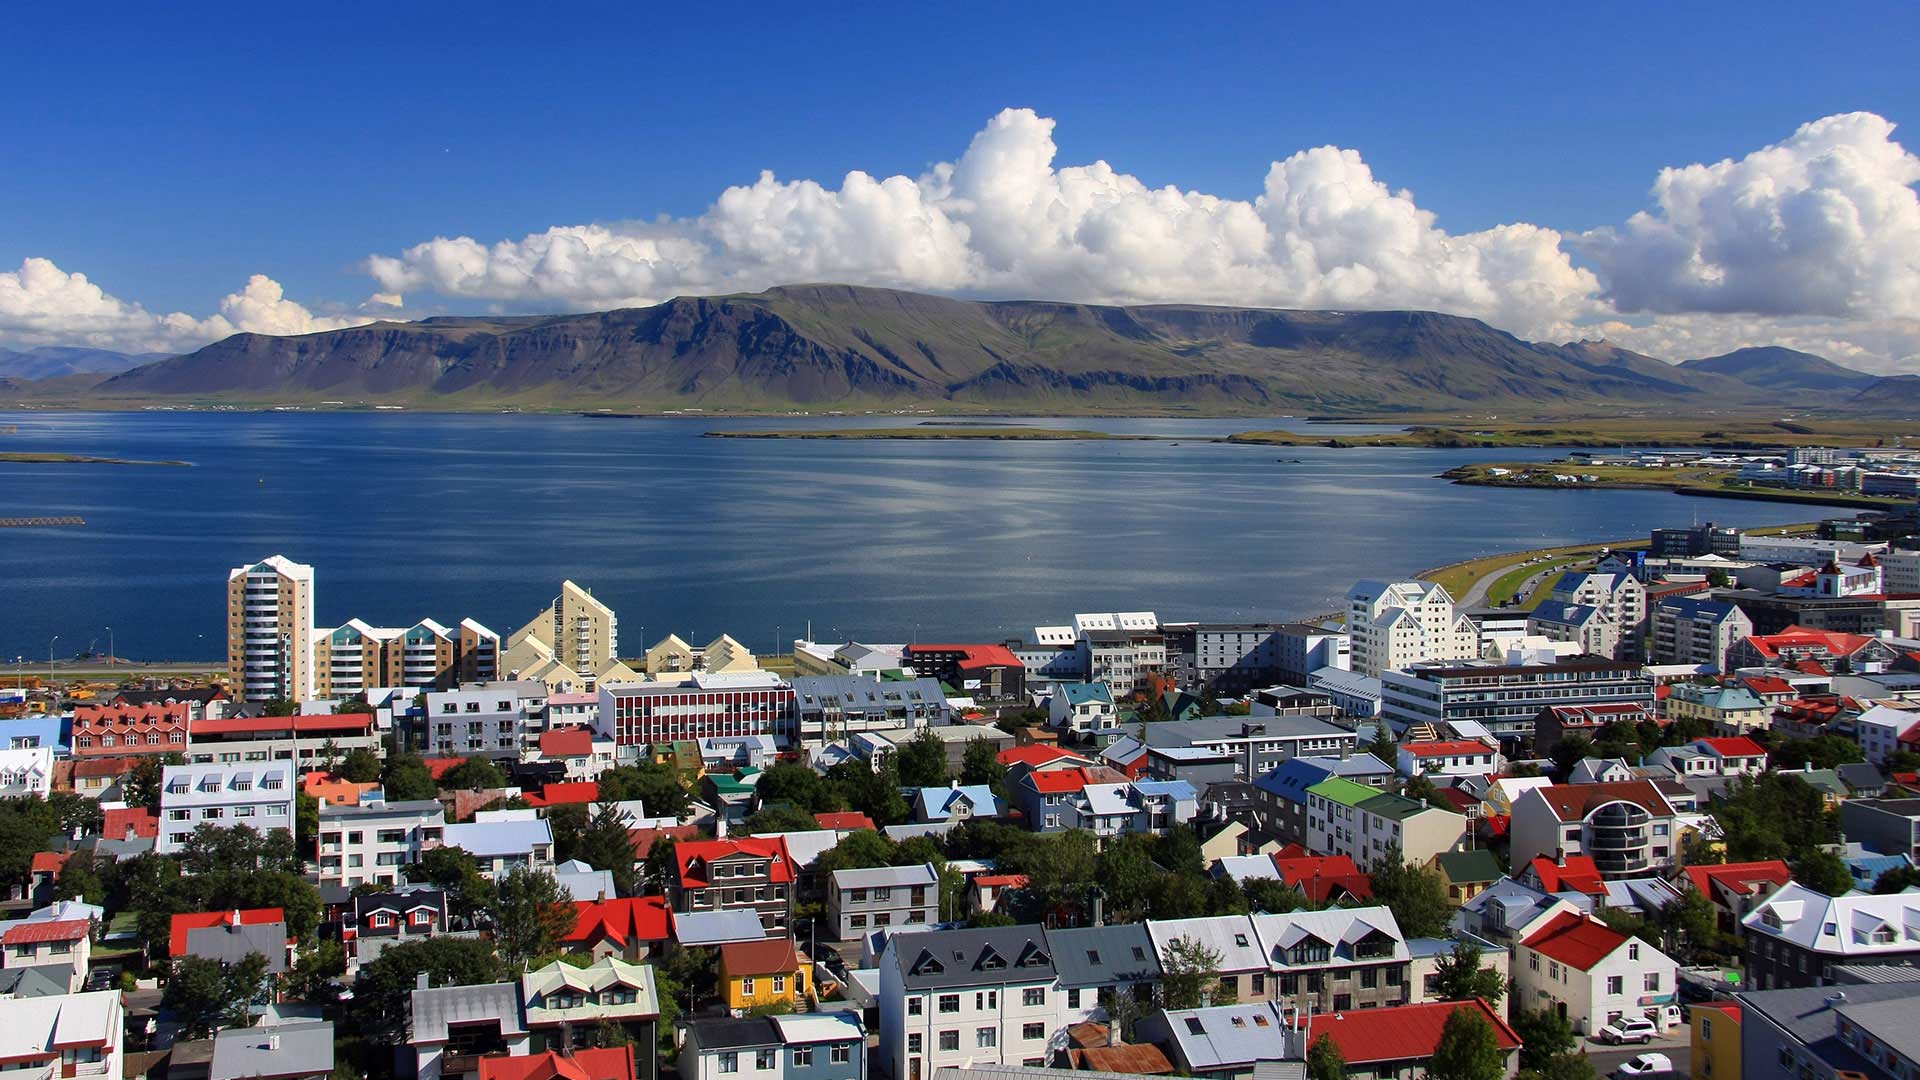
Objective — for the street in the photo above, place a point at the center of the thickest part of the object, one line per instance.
(1676, 1044)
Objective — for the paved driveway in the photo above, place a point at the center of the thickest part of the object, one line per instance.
(1676, 1044)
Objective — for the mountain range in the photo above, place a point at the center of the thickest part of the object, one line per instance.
(54, 361)
(825, 347)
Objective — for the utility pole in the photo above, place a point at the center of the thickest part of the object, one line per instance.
(109, 646)
(50, 645)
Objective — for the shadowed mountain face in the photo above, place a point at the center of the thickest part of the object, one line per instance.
(54, 361)
(832, 346)
(1772, 367)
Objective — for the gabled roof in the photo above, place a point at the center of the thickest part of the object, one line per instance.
(1104, 955)
(1732, 746)
(572, 792)
(844, 821)
(1403, 1032)
(973, 956)
(1056, 781)
(1579, 873)
(695, 856)
(182, 924)
(35, 932)
(1232, 936)
(770, 956)
(1445, 748)
(1466, 867)
(1576, 939)
(1573, 802)
(620, 921)
(1322, 877)
(609, 1063)
(1035, 755)
(566, 742)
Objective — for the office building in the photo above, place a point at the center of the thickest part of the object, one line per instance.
(1505, 698)
(1255, 745)
(706, 705)
(270, 630)
(828, 708)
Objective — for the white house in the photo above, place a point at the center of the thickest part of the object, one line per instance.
(257, 794)
(1082, 707)
(1593, 975)
(1879, 729)
(501, 840)
(78, 1036)
(1456, 757)
(64, 943)
(370, 842)
(1395, 624)
(986, 996)
(26, 772)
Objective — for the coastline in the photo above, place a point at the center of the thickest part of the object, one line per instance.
(16, 457)
(1683, 482)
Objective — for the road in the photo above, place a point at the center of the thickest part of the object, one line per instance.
(1676, 1044)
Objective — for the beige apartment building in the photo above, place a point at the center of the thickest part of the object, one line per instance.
(723, 655)
(572, 645)
(270, 630)
(354, 657)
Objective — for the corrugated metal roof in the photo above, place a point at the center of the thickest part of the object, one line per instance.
(1103, 955)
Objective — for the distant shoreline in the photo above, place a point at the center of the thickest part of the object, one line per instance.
(24, 458)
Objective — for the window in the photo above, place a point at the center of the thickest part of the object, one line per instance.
(914, 1007)
(949, 1003)
(729, 1062)
(779, 984)
(986, 999)
(1073, 999)
(857, 922)
(1031, 1032)
(764, 1059)
(950, 1039)
(1259, 982)
(1653, 982)
(1615, 985)
(1633, 950)
(802, 1057)
(746, 986)
(1033, 995)
(986, 1038)
(842, 1053)
(913, 1043)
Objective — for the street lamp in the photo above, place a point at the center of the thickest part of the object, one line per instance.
(109, 646)
(50, 644)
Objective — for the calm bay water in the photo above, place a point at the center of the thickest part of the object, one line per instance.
(406, 516)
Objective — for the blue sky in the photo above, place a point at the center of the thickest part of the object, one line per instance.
(167, 154)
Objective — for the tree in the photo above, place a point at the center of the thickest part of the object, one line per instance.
(315, 967)
(531, 912)
(1903, 761)
(777, 819)
(141, 787)
(406, 778)
(1823, 872)
(1417, 895)
(1459, 976)
(1687, 926)
(1544, 1035)
(872, 789)
(1273, 896)
(206, 995)
(1898, 879)
(1573, 1065)
(654, 785)
(1190, 974)
(797, 785)
(982, 765)
(1124, 1009)
(1774, 816)
(922, 761)
(662, 865)
(384, 991)
(1468, 1050)
(330, 757)
(1383, 746)
(605, 844)
(473, 774)
(1569, 752)
(1125, 875)
(80, 881)
(360, 766)
(306, 822)
(1058, 880)
(451, 868)
(1819, 752)
(568, 822)
(1719, 579)
(1324, 1060)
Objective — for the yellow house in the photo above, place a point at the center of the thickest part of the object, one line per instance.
(755, 973)
(1716, 1041)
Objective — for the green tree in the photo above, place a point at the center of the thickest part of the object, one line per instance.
(141, 786)
(1544, 1035)
(458, 873)
(982, 765)
(568, 821)
(1459, 976)
(473, 774)
(1124, 1009)
(306, 823)
(605, 844)
(406, 778)
(1823, 872)
(1324, 1060)
(1569, 752)
(1819, 752)
(1573, 1065)
(1898, 879)
(1190, 974)
(1417, 895)
(383, 993)
(1126, 874)
(1719, 579)
(360, 766)
(1774, 816)
(798, 785)
(206, 995)
(1903, 761)
(315, 967)
(661, 867)
(531, 913)
(872, 789)
(1688, 926)
(861, 849)
(1178, 849)
(656, 786)
(1383, 746)
(922, 761)
(1059, 880)
(1273, 896)
(79, 880)
(1468, 1050)
(779, 819)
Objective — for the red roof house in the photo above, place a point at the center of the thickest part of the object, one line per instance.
(200, 920)
(1576, 940)
(566, 743)
(1388, 1041)
(1322, 878)
(644, 839)
(1577, 874)
(1037, 756)
(130, 823)
(580, 791)
(609, 1063)
(694, 856)
(845, 821)
(45, 930)
(629, 926)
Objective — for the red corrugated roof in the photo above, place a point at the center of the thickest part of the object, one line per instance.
(1443, 748)
(1402, 1032)
(200, 920)
(301, 725)
(1057, 781)
(1576, 940)
(1733, 746)
(28, 933)
(1134, 1059)
(774, 956)
(575, 791)
(973, 656)
(1035, 755)
(118, 765)
(1320, 877)
(49, 862)
(644, 839)
(695, 855)
(566, 742)
(608, 1063)
(845, 820)
(1001, 881)
(441, 766)
(143, 821)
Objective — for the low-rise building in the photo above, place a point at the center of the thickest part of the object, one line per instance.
(1629, 828)
(502, 841)
(986, 671)
(972, 996)
(1345, 818)
(1593, 975)
(1506, 698)
(768, 972)
(1245, 969)
(500, 720)
(1735, 889)
(1223, 1042)
(297, 1050)
(1255, 745)
(828, 708)
(1097, 963)
(1714, 1044)
(1589, 629)
(26, 773)
(381, 920)
(1390, 1043)
(1336, 960)
(754, 874)
(563, 1005)
(454, 1027)
(1797, 936)
(114, 729)
(1829, 1033)
(304, 740)
(71, 1036)
(57, 944)
(1880, 729)
(1082, 708)
(369, 843)
(1887, 826)
(1727, 710)
(861, 901)
(1449, 757)
(815, 1046)
(259, 796)
(1556, 722)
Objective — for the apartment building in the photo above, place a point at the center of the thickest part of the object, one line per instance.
(26, 772)
(370, 842)
(983, 996)
(1619, 596)
(497, 720)
(1880, 728)
(1506, 698)
(754, 874)
(813, 1046)
(71, 1036)
(1853, 1032)
(116, 730)
(1887, 826)
(1256, 745)
(1699, 631)
(707, 705)
(270, 630)
(1728, 710)
(303, 740)
(861, 901)
(1577, 966)
(1797, 936)
(1365, 824)
(1629, 828)
(502, 841)
(828, 708)
(572, 645)
(1589, 629)
(1392, 625)
(354, 657)
(1336, 960)
(257, 795)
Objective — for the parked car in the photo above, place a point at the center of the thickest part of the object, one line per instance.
(1652, 1064)
(1629, 1029)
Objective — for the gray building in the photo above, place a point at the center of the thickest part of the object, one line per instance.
(829, 707)
(1829, 1032)
(812, 1046)
(295, 1051)
(492, 719)
(1097, 960)
(1258, 744)
(1693, 630)
(1888, 826)
(232, 943)
(1505, 698)
(860, 901)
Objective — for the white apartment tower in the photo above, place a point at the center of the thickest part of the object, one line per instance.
(1394, 624)
(270, 630)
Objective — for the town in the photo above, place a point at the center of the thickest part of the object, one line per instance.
(1655, 813)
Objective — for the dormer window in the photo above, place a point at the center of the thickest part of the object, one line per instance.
(1240, 940)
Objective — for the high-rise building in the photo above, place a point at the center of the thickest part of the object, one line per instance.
(352, 658)
(270, 630)
(574, 642)
(1396, 624)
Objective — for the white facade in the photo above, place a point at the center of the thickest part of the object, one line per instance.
(26, 772)
(371, 842)
(1634, 979)
(1900, 571)
(1620, 596)
(257, 795)
(1006, 1017)
(1879, 729)
(1394, 624)
(78, 1036)
(498, 720)
(1804, 550)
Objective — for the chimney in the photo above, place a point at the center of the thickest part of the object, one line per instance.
(1099, 908)
(603, 896)
(273, 1041)
(422, 982)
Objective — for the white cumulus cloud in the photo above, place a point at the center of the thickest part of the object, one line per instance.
(41, 304)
